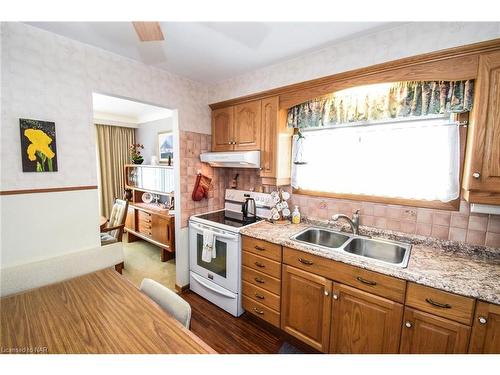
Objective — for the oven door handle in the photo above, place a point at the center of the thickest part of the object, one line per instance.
(205, 285)
(216, 234)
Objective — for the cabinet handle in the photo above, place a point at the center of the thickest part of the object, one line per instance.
(482, 320)
(259, 248)
(326, 293)
(258, 264)
(408, 324)
(305, 261)
(259, 280)
(335, 297)
(364, 281)
(437, 304)
(260, 312)
(259, 296)
(476, 175)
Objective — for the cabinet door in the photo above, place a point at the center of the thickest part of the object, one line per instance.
(222, 129)
(247, 126)
(484, 146)
(486, 329)
(363, 323)
(269, 147)
(425, 333)
(160, 229)
(306, 307)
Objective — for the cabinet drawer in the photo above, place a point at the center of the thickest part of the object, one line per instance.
(261, 280)
(144, 229)
(441, 303)
(261, 311)
(261, 295)
(269, 267)
(262, 248)
(373, 282)
(144, 226)
(143, 216)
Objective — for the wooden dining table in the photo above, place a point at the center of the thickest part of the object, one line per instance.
(101, 312)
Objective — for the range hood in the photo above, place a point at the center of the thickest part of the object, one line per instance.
(232, 159)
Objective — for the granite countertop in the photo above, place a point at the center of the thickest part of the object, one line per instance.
(472, 271)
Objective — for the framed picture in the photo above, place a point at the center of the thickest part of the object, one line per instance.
(38, 145)
(166, 147)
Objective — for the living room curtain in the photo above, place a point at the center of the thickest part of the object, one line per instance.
(113, 146)
(385, 101)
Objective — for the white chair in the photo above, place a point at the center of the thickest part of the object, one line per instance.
(168, 300)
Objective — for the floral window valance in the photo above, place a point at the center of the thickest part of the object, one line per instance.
(384, 101)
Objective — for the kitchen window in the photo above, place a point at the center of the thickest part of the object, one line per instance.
(417, 159)
(412, 159)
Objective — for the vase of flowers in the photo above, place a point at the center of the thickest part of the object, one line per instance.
(135, 153)
(280, 212)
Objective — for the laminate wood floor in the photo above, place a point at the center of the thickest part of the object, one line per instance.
(229, 335)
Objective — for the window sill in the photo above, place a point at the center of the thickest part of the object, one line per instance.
(453, 205)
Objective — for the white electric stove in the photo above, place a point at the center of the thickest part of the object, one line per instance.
(219, 281)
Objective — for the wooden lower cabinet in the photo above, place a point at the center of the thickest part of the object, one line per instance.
(485, 337)
(306, 307)
(363, 323)
(425, 333)
(328, 306)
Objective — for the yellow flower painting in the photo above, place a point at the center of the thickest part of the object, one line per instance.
(38, 146)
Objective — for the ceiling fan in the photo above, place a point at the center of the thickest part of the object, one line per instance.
(148, 31)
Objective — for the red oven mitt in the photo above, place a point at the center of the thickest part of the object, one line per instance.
(201, 187)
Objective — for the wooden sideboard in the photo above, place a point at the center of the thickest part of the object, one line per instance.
(145, 221)
(150, 221)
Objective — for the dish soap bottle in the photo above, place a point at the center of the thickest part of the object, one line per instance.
(296, 215)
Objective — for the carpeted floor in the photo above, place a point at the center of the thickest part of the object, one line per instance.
(142, 259)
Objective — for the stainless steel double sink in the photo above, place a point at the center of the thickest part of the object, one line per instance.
(389, 252)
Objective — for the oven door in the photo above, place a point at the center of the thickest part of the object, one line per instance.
(224, 269)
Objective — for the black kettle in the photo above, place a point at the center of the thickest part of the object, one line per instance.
(249, 209)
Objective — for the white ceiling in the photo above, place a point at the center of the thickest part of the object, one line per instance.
(213, 51)
(122, 110)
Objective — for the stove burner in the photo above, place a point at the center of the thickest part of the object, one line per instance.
(231, 218)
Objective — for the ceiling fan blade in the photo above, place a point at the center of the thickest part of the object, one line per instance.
(148, 31)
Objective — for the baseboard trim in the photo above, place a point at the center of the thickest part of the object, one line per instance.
(181, 289)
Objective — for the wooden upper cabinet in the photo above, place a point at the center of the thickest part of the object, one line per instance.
(269, 137)
(223, 129)
(306, 307)
(425, 333)
(363, 323)
(483, 149)
(485, 337)
(276, 144)
(247, 126)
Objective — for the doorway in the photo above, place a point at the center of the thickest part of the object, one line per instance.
(136, 162)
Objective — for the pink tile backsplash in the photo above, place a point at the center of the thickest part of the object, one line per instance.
(478, 222)
(458, 234)
(191, 145)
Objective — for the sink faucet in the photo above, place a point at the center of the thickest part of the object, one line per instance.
(354, 222)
